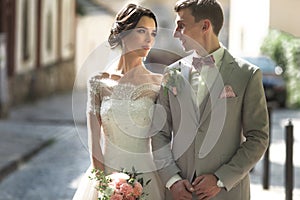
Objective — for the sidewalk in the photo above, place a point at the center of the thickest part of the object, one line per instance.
(33, 127)
(277, 151)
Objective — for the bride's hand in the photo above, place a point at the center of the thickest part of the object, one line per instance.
(182, 190)
(97, 164)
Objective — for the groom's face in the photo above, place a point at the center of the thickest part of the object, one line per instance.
(188, 31)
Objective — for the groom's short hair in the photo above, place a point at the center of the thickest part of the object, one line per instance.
(204, 9)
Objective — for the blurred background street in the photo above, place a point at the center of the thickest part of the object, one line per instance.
(44, 45)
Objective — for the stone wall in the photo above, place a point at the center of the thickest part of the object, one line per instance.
(41, 82)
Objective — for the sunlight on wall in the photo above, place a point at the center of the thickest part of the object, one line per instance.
(249, 22)
(92, 31)
(285, 16)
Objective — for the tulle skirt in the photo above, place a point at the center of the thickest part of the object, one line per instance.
(86, 189)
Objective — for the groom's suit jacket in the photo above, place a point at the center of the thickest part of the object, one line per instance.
(226, 135)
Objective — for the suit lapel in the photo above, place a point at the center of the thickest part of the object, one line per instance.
(213, 130)
(217, 86)
(189, 115)
(188, 120)
(185, 70)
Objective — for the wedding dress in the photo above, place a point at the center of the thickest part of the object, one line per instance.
(126, 110)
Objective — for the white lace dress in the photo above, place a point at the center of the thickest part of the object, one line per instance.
(126, 114)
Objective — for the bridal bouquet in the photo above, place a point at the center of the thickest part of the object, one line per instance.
(119, 185)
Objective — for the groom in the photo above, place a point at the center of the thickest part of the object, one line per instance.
(216, 121)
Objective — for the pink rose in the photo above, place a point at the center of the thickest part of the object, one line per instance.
(119, 182)
(129, 198)
(138, 189)
(112, 184)
(126, 189)
(116, 197)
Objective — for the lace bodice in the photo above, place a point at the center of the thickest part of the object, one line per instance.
(126, 113)
(101, 88)
(126, 116)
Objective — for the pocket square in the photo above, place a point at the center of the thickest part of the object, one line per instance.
(227, 92)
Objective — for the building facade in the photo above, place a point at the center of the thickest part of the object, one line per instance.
(251, 20)
(38, 42)
(284, 16)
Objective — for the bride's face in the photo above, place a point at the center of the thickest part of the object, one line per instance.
(140, 39)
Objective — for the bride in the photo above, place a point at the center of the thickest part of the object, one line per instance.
(120, 105)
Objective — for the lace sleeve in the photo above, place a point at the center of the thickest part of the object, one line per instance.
(94, 95)
(94, 121)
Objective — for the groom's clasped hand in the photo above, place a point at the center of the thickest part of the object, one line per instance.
(182, 189)
(204, 187)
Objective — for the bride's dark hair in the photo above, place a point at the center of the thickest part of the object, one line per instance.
(126, 20)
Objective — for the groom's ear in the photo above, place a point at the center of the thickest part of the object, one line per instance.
(206, 25)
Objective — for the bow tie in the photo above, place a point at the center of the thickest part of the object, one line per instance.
(199, 62)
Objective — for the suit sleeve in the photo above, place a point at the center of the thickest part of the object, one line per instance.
(255, 125)
(162, 137)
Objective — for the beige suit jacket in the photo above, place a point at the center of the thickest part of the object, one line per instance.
(225, 136)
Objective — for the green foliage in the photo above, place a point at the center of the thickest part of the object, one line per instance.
(284, 49)
(274, 46)
(103, 181)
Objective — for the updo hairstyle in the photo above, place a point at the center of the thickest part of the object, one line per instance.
(126, 20)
